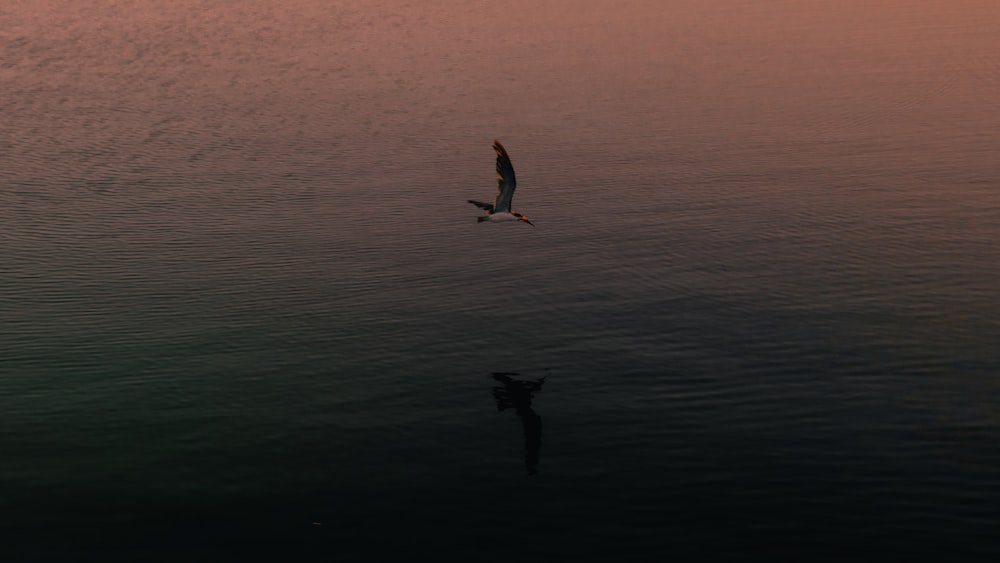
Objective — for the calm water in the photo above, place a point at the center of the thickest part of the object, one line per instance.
(247, 314)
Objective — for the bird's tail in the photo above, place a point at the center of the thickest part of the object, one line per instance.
(483, 218)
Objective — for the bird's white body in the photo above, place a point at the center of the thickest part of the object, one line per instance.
(502, 218)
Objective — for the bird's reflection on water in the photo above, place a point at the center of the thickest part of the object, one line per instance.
(517, 394)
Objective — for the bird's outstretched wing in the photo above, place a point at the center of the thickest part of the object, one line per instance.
(487, 206)
(505, 180)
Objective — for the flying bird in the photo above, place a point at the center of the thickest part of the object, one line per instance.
(499, 211)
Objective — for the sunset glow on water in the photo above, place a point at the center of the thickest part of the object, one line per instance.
(248, 314)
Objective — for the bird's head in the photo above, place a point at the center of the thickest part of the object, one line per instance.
(523, 218)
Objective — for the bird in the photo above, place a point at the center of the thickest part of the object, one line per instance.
(499, 211)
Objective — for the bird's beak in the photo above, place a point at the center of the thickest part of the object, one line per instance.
(525, 219)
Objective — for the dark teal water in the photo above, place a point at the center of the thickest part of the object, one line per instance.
(247, 314)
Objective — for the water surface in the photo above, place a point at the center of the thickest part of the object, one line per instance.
(248, 315)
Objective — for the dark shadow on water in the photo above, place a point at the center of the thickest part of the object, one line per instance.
(517, 394)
